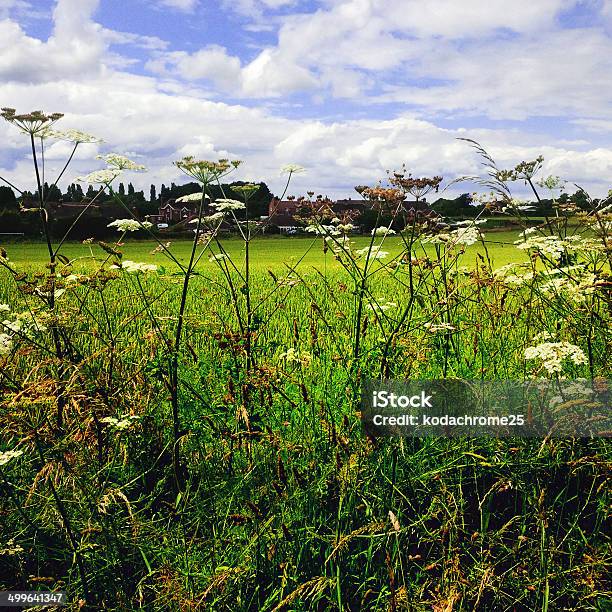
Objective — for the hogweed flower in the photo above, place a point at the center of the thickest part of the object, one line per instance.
(381, 306)
(552, 183)
(71, 135)
(438, 327)
(247, 190)
(6, 344)
(225, 204)
(205, 171)
(9, 455)
(218, 257)
(34, 123)
(192, 197)
(553, 354)
(130, 225)
(382, 231)
(125, 422)
(373, 253)
(133, 267)
(101, 177)
(115, 161)
(292, 169)
(292, 355)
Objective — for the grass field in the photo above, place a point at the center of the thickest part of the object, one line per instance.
(242, 479)
(267, 252)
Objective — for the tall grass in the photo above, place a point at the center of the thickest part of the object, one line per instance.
(188, 437)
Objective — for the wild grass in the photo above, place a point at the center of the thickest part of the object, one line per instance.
(189, 437)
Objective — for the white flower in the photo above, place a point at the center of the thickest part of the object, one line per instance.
(218, 257)
(465, 235)
(470, 222)
(295, 356)
(373, 253)
(7, 456)
(120, 162)
(102, 177)
(11, 548)
(134, 267)
(192, 197)
(6, 343)
(292, 169)
(382, 231)
(323, 230)
(5, 308)
(123, 423)
(224, 204)
(71, 135)
(436, 327)
(553, 354)
(345, 228)
(381, 306)
(130, 225)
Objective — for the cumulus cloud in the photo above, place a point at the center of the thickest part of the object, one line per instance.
(358, 50)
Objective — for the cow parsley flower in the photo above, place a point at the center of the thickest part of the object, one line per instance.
(292, 169)
(225, 204)
(6, 344)
(553, 354)
(218, 257)
(101, 177)
(292, 355)
(9, 455)
(130, 225)
(125, 422)
(71, 135)
(374, 253)
(115, 161)
(192, 197)
(383, 231)
(134, 267)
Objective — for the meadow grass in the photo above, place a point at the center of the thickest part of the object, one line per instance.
(268, 252)
(286, 503)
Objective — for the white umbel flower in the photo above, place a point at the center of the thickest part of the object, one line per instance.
(130, 225)
(192, 197)
(115, 161)
(9, 455)
(225, 204)
(134, 267)
(383, 231)
(100, 177)
(292, 169)
(553, 354)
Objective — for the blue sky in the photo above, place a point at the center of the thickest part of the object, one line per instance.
(347, 88)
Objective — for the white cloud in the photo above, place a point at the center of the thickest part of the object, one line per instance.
(352, 47)
(74, 49)
(181, 5)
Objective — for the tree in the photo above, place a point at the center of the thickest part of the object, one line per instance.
(8, 201)
(153, 195)
(121, 189)
(130, 190)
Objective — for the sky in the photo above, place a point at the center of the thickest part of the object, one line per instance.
(346, 88)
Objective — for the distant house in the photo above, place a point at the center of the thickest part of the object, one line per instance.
(171, 212)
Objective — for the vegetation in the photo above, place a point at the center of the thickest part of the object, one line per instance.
(181, 430)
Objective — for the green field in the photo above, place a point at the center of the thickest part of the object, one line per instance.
(229, 470)
(267, 252)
